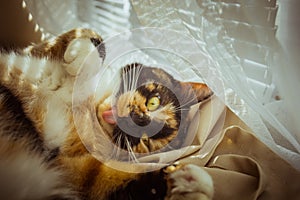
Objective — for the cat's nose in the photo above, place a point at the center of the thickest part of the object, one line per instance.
(140, 119)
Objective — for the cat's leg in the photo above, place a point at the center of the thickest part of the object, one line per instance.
(100, 181)
(40, 64)
(93, 179)
(79, 49)
(70, 48)
(39, 78)
(173, 183)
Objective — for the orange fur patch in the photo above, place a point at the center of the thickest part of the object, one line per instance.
(55, 50)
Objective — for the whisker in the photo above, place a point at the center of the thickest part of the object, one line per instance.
(130, 151)
(114, 137)
(138, 75)
(118, 146)
(115, 148)
(132, 77)
(124, 80)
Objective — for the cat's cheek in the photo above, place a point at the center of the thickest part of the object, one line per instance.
(148, 145)
(141, 148)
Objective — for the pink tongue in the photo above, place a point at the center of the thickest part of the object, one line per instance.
(109, 117)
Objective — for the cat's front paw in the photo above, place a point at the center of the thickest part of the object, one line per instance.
(188, 182)
(84, 43)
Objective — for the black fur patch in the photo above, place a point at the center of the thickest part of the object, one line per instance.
(100, 46)
(149, 186)
(14, 122)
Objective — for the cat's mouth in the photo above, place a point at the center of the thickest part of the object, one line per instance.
(130, 124)
(139, 136)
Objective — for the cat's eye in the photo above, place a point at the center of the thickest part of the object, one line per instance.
(153, 103)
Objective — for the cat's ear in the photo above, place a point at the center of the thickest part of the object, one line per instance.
(199, 90)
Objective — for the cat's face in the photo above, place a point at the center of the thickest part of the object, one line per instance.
(150, 109)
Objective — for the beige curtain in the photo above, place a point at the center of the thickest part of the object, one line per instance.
(241, 166)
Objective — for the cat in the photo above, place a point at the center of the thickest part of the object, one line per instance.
(41, 153)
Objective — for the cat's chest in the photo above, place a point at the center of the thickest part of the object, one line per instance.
(57, 120)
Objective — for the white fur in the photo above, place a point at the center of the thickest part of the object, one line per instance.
(34, 70)
(24, 175)
(56, 122)
(76, 53)
(51, 81)
(190, 182)
(28, 49)
(161, 113)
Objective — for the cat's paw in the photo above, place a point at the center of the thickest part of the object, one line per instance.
(79, 48)
(188, 182)
(76, 53)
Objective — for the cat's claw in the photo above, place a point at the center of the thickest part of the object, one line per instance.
(189, 182)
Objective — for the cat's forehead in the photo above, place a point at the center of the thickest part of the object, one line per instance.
(156, 75)
(150, 87)
(146, 75)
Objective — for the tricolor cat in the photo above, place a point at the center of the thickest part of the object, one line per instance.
(41, 153)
